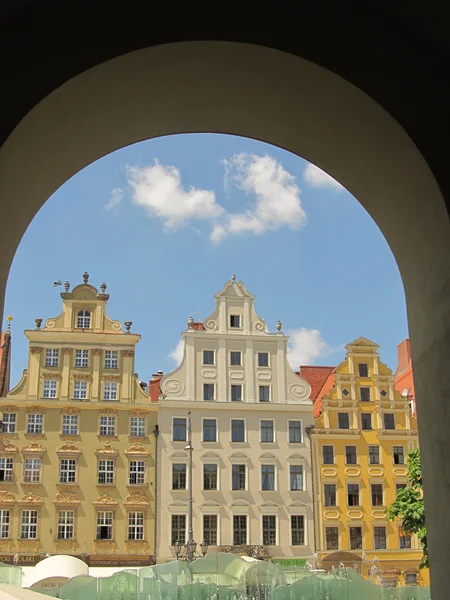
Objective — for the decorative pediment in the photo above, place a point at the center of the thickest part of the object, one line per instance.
(298, 507)
(211, 504)
(362, 342)
(269, 504)
(105, 500)
(35, 409)
(178, 503)
(107, 449)
(82, 376)
(296, 456)
(69, 448)
(267, 456)
(239, 502)
(34, 448)
(298, 504)
(9, 408)
(70, 411)
(108, 411)
(51, 375)
(210, 456)
(140, 412)
(111, 377)
(136, 501)
(30, 499)
(9, 447)
(66, 498)
(7, 497)
(178, 454)
(238, 456)
(137, 450)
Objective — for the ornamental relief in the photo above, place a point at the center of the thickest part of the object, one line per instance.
(104, 547)
(70, 411)
(30, 498)
(136, 547)
(108, 411)
(66, 498)
(106, 448)
(7, 497)
(10, 408)
(111, 377)
(55, 376)
(173, 387)
(138, 411)
(36, 349)
(136, 500)
(68, 448)
(105, 500)
(34, 448)
(297, 391)
(127, 353)
(67, 351)
(85, 377)
(96, 352)
(35, 409)
(137, 449)
(9, 447)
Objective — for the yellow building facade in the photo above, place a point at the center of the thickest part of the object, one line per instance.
(360, 444)
(77, 448)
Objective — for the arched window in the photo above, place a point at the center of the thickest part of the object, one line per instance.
(84, 319)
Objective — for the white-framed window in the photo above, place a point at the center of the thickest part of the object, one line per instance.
(83, 319)
(179, 476)
(210, 529)
(105, 471)
(210, 430)
(210, 476)
(263, 359)
(179, 429)
(235, 358)
(111, 359)
(268, 478)
(295, 432)
(209, 391)
(67, 470)
(136, 526)
(208, 357)
(9, 422)
(238, 477)
(70, 425)
(29, 526)
(374, 455)
(329, 494)
(51, 357)
(264, 393)
(376, 492)
(110, 391)
(296, 478)
(297, 530)
(35, 424)
(6, 468)
(238, 430)
(267, 430)
(235, 321)
(332, 538)
(107, 425)
(5, 520)
(239, 530)
(81, 359)
(66, 521)
(136, 472)
(80, 389)
(49, 388)
(398, 453)
(236, 392)
(269, 530)
(137, 427)
(32, 470)
(105, 521)
(178, 529)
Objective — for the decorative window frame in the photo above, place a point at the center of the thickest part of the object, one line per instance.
(66, 501)
(232, 383)
(274, 441)
(239, 458)
(136, 503)
(110, 379)
(240, 366)
(172, 429)
(297, 460)
(269, 362)
(216, 441)
(214, 363)
(268, 459)
(211, 509)
(302, 432)
(69, 411)
(269, 511)
(69, 450)
(238, 418)
(80, 377)
(337, 525)
(29, 502)
(210, 458)
(105, 503)
(35, 410)
(178, 458)
(107, 412)
(7, 502)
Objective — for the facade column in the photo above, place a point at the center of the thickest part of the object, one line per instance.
(222, 375)
(65, 381)
(127, 373)
(34, 367)
(95, 390)
(249, 372)
(281, 364)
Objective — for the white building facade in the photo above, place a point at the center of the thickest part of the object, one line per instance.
(250, 415)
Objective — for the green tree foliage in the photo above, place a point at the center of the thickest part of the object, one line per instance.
(409, 505)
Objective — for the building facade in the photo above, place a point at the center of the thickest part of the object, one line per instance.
(362, 435)
(77, 445)
(250, 414)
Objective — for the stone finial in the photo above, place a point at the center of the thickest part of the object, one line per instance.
(38, 323)
(85, 277)
(9, 318)
(233, 278)
(128, 325)
(190, 322)
(103, 287)
(66, 286)
(279, 325)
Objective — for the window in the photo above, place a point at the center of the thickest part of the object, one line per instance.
(70, 425)
(84, 319)
(328, 455)
(67, 470)
(364, 394)
(105, 474)
(111, 359)
(208, 391)
(404, 540)
(29, 525)
(104, 525)
(296, 478)
(66, 519)
(179, 429)
(269, 526)
(267, 477)
(353, 494)
(379, 538)
(136, 472)
(80, 390)
(350, 455)
(366, 421)
(6, 469)
(137, 427)
(81, 358)
(343, 421)
(295, 432)
(5, 519)
(410, 578)
(209, 430)
(49, 388)
(210, 529)
(389, 421)
(298, 530)
(264, 393)
(208, 357)
(9, 422)
(136, 526)
(178, 476)
(263, 359)
(363, 369)
(374, 455)
(329, 494)
(399, 455)
(110, 391)
(239, 530)
(51, 357)
(178, 533)
(267, 431)
(238, 477)
(355, 538)
(236, 393)
(108, 426)
(377, 494)
(235, 321)
(399, 486)
(332, 538)
(32, 470)
(237, 430)
(235, 359)
(210, 477)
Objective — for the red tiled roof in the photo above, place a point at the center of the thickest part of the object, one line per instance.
(198, 326)
(5, 362)
(321, 380)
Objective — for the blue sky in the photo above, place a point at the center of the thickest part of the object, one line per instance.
(166, 222)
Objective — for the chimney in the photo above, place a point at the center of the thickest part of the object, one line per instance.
(5, 361)
(404, 355)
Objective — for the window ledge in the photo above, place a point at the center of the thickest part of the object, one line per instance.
(134, 486)
(67, 485)
(108, 485)
(41, 436)
(32, 483)
(138, 437)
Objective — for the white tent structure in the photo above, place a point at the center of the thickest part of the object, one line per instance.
(9, 592)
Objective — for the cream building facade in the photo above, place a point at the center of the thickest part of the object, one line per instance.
(250, 415)
(77, 466)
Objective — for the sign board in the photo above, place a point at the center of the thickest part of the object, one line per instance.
(22, 560)
(117, 560)
(289, 562)
(50, 583)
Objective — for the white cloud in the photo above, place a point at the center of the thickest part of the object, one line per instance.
(319, 179)
(159, 190)
(115, 199)
(305, 346)
(177, 353)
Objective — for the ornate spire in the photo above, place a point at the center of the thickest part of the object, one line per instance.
(103, 287)
(85, 277)
(233, 278)
(38, 323)
(66, 286)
